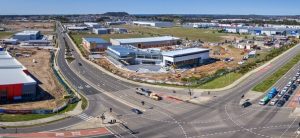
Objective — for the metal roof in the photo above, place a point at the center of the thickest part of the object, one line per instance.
(12, 71)
(121, 50)
(4, 55)
(184, 52)
(9, 63)
(147, 39)
(28, 32)
(14, 76)
(95, 40)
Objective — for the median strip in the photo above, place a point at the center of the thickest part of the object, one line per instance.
(271, 80)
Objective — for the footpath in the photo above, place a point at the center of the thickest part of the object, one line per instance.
(77, 110)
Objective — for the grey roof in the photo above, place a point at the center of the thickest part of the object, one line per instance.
(121, 50)
(146, 39)
(28, 32)
(14, 76)
(12, 71)
(184, 52)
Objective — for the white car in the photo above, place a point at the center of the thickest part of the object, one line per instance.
(273, 101)
(289, 84)
(285, 88)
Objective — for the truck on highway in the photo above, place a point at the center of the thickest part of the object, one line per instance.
(264, 100)
(155, 97)
(148, 93)
(272, 93)
(142, 91)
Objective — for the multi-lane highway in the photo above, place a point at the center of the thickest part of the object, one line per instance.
(221, 117)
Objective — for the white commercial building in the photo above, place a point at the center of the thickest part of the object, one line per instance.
(92, 25)
(27, 35)
(148, 42)
(153, 23)
(185, 57)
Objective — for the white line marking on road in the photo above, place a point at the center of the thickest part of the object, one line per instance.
(288, 127)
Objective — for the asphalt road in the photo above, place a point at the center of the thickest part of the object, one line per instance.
(221, 117)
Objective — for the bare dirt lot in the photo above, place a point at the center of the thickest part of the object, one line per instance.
(45, 27)
(43, 72)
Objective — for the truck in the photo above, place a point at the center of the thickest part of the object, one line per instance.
(142, 91)
(272, 93)
(264, 100)
(155, 97)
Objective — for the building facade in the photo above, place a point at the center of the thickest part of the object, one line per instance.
(16, 82)
(148, 42)
(190, 57)
(95, 45)
(27, 35)
(153, 24)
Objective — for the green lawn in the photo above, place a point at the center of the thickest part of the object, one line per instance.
(207, 35)
(222, 81)
(4, 35)
(27, 117)
(271, 80)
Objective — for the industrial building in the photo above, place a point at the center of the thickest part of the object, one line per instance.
(148, 42)
(130, 55)
(153, 24)
(101, 30)
(27, 35)
(95, 45)
(115, 23)
(15, 81)
(92, 25)
(185, 57)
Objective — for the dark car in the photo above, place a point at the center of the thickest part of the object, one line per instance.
(280, 103)
(246, 104)
(286, 97)
(137, 111)
(294, 86)
(79, 64)
(290, 92)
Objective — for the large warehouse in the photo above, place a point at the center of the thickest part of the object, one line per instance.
(148, 42)
(153, 23)
(27, 35)
(95, 45)
(185, 57)
(15, 81)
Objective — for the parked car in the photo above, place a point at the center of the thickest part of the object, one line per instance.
(290, 92)
(298, 74)
(281, 93)
(285, 88)
(137, 111)
(273, 101)
(246, 104)
(294, 86)
(280, 103)
(289, 84)
(286, 97)
(294, 78)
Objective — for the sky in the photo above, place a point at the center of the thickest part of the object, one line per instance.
(240, 7)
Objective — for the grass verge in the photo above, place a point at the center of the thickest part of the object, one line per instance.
(271, 80)
(28, 117)
(222, 81)
(4, 35)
